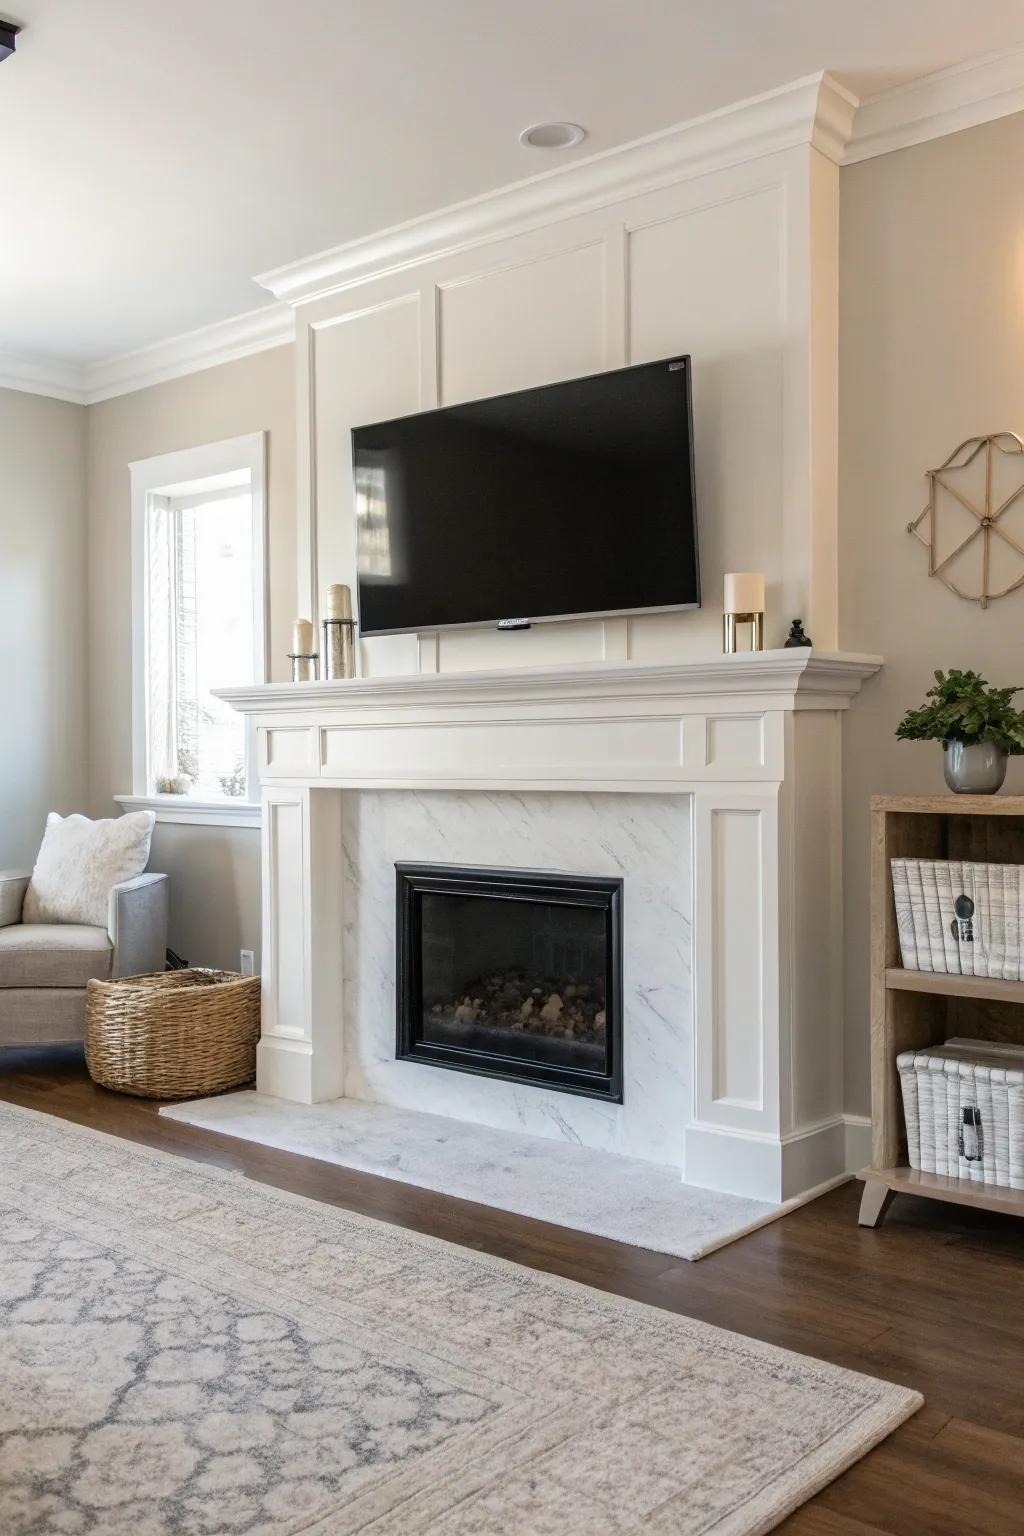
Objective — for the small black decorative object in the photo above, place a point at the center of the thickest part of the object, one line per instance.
(962, 926)
(8, 37)
(796, 635)
(972, 1136)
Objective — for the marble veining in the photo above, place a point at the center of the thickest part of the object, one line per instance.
(645, 839)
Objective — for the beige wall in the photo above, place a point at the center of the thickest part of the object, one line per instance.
(931, 351)
(43, 735)
(214, 872)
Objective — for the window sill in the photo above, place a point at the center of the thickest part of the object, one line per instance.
(182, 810)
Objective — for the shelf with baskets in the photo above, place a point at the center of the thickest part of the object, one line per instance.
(987, 987)
(912, 1010)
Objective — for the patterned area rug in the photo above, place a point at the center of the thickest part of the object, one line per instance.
(182, 1351)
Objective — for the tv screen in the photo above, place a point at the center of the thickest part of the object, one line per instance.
(574, 499)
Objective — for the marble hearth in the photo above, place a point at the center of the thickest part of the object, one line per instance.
(711, 789)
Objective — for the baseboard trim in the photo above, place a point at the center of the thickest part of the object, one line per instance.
(285, 1069)
(765, 1167)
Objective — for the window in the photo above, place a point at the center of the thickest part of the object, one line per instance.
(197, 625)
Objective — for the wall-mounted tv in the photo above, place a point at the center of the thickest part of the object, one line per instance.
(572, 500)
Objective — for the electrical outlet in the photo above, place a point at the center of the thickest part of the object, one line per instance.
(248, 966)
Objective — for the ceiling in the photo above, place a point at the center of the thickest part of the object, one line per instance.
(156, 156)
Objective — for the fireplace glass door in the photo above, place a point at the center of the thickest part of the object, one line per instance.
(512, 974)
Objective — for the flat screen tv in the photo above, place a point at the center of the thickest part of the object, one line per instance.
(572, 500)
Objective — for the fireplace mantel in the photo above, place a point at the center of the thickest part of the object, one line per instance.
(750, 745)
(627, 727)
(801, 673)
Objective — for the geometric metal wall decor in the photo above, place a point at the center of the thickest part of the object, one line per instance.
(985, 509)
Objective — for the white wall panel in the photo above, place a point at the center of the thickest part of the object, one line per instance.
(737, 940)
(284, 934)
(709, 282)
(522, 325)
(735, 744)
(287, 751)
(366, 367)
(468, 650)
(812, 927)
(716, 266)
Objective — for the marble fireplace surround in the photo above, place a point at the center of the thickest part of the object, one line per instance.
(642, 838)
(713, 787)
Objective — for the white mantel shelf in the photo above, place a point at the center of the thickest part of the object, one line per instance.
(631, 726)
(814, 679)
(747, 747)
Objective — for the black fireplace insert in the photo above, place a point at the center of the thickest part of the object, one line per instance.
(514, 974)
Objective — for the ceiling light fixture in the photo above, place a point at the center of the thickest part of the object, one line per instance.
(552, 136)
(8, 33)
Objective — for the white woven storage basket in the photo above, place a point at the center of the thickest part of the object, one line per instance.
(960, 918)
(964, 1108)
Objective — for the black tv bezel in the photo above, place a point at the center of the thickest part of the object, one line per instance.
(511, 622)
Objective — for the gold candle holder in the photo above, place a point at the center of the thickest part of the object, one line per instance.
(744, 604)
(729, 623)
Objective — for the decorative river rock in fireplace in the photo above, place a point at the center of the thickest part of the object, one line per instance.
(564, 1008)
(512, 973)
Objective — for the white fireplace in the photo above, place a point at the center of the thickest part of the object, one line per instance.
(711, 789)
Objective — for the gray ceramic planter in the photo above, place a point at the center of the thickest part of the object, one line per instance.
(973, 770)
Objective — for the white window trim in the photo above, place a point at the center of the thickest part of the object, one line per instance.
(173, 474)
(184, 811)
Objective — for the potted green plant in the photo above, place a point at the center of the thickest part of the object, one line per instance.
(977, 725)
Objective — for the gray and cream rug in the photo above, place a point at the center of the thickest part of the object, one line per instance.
(183, 1351)
(636, 1202)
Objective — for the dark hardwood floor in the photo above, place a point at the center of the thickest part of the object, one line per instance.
(933, 1299)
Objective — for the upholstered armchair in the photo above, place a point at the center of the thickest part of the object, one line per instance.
(44, 967)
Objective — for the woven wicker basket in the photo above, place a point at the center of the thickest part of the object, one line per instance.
(178, 1035)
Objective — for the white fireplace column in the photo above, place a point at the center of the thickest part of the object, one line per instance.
(300, 1051)
(750, 745)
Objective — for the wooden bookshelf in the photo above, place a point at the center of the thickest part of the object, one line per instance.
(883, 1183)
(988, 987)
(914, 1009)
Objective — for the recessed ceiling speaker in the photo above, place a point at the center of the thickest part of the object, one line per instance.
(8, 32)
(553, 136)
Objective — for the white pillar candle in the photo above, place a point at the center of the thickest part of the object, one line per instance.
(339, 603)
(744, 592)
(302, 638)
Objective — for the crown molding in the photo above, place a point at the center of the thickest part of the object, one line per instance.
(224, 342)
(978, 91)
(56, 379)
(89, 383)
(814, 110)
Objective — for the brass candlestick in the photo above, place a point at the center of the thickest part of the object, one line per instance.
(729, 623)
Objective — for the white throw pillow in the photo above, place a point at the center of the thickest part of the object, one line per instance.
(79, 861)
